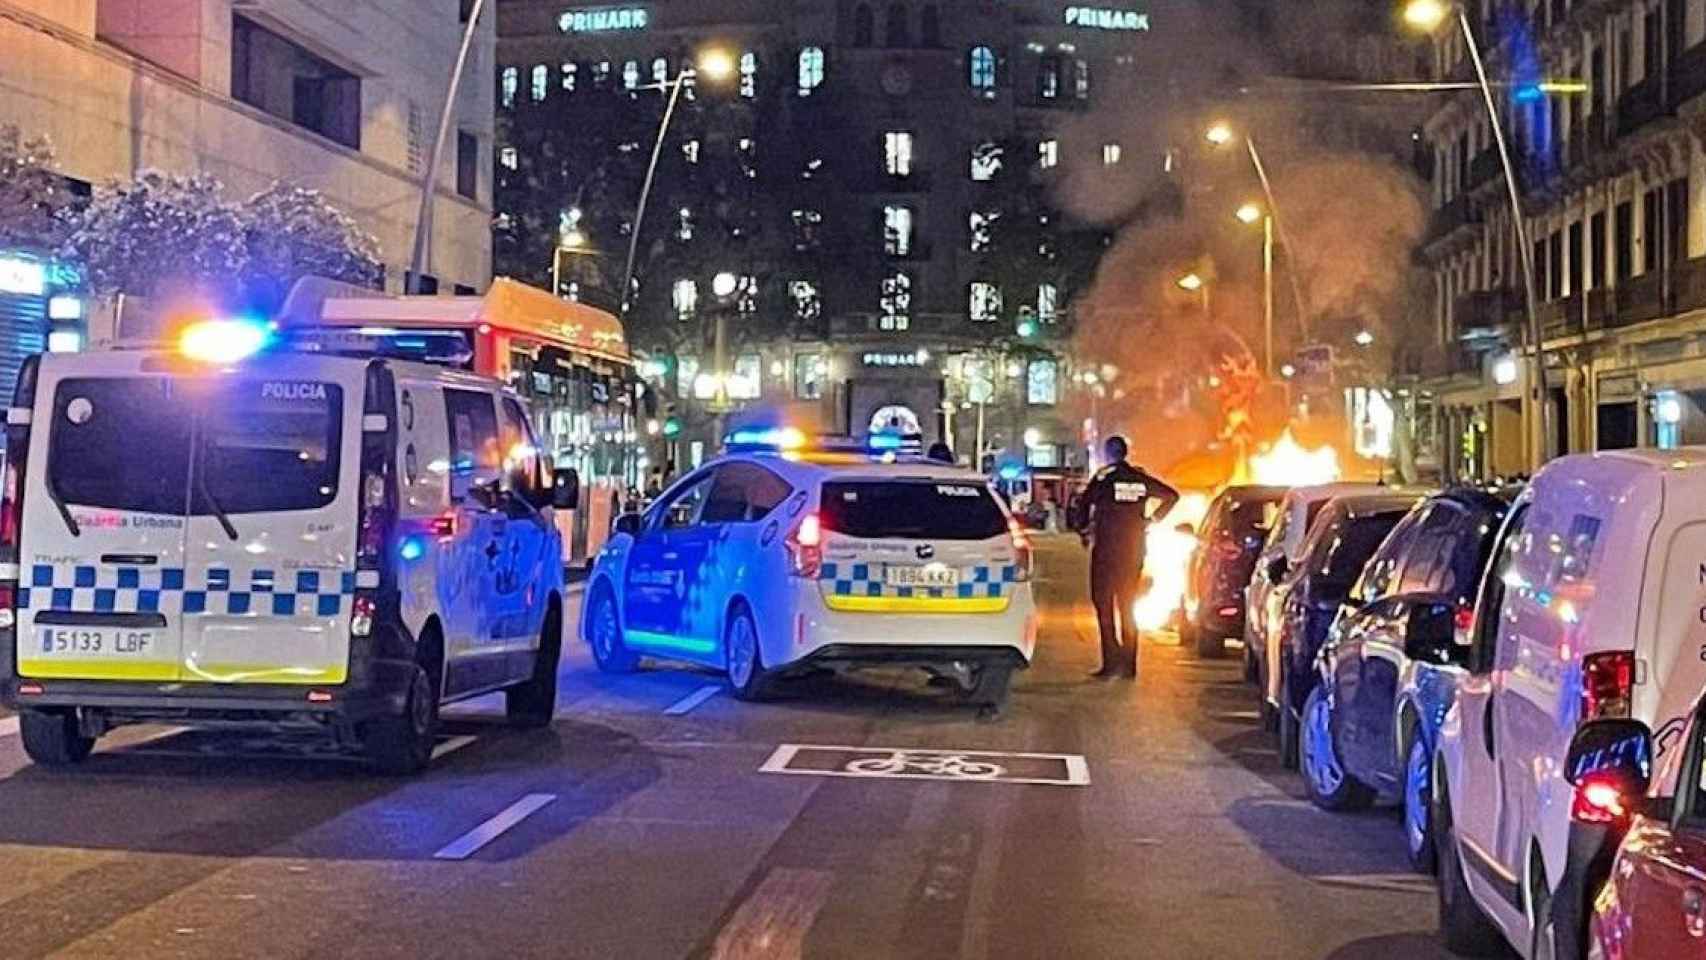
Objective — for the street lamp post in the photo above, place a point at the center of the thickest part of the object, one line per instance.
(1220, 134)
(1249, 213)
(422, 255)
(715, 64)
(1428, 15)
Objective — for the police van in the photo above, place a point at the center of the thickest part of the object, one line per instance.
(226, 532)
(784, 557)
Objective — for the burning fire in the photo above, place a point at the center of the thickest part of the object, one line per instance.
(1285, 463)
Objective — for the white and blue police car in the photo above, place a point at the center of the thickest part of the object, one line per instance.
(776, 559)
(224, 533)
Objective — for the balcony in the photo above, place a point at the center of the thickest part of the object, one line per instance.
(1641, 104)
(1638, 300)
(1688, 75)
(1456, 213)
(1440, 361)
(1688, 285)
(1486, 314)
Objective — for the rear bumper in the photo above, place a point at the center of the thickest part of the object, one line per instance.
(910, 633)
(858, 654)
(383, 692)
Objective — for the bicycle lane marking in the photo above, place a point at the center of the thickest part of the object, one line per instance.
(906, 763)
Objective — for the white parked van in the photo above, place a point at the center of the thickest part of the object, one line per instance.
(289, 539)
(1593, 607)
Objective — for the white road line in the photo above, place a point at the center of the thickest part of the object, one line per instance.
(692, 700)
(451, 746)
(1388, 882)
(469, 843)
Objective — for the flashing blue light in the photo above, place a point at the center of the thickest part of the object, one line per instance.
(224, 341)
(1012, 471)
(777, 438)
(887, 441)
(1528, 93)
(412, 548)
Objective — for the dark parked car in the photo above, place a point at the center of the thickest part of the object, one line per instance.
(1390, 667)
(1232, 534)
(1341, 540)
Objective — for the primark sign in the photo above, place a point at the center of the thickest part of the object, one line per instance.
(604, 20)
(1104, 18)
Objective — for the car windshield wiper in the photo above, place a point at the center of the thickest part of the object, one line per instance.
(64, 511)
(213, 502)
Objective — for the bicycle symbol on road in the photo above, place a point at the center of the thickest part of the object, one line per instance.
(926, 764)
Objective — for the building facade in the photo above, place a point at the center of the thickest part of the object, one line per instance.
(1602, 110)
(254, 92)
(908, 150)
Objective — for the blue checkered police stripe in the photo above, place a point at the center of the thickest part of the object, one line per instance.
(88, 589)
(867, 580)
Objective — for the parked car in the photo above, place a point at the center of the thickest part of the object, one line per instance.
(1340, 542)
(1590, 610)
(1390, 667)
(1264, 598)
(1232, 534)
(1652, 903)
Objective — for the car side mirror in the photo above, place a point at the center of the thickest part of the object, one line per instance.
(1610, 763)
(1278, 567)
(566, 488)
(1430, 633)
(630, 524)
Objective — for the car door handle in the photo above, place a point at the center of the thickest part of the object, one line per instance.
(1487, 727)
(130, 559)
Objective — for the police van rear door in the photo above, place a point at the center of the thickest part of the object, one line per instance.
(272, 528)
(106, 494)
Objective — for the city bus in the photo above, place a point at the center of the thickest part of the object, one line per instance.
(569, 359)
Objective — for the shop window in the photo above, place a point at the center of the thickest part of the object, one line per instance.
(897, 230)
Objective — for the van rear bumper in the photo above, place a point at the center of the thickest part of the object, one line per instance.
(384, 692)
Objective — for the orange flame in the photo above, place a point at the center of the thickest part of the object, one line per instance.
(1168, 561)
(1286, 463)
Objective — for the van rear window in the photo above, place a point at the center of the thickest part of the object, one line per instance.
(256, 445)
(912, 510)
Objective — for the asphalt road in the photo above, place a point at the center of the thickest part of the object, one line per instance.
(642, 825)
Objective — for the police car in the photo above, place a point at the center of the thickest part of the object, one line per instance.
(223, 533)
(776, 560)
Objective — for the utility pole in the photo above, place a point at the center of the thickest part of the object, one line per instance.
(421, 260)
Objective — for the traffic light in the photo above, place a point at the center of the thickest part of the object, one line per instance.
(672, 427)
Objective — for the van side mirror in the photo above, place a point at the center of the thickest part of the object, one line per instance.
(630, 524)
(1278, 567)
(1430, 633)
(566, 488)
(1611, 765)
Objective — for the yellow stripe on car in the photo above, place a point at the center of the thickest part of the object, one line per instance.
(56, 669)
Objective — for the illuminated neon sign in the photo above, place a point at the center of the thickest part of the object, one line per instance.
(603, 20)
(1101, 18)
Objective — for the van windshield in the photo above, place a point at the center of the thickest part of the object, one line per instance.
(912, 510)
(126, 443)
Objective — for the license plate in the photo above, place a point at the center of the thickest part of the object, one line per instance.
(96, 641)
(934, 575)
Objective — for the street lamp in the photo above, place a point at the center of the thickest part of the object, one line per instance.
(421, 259)
(1250, 213)
(1364, 338)
(1220, 133)
(1430, 15)
(1191, 281)
(715, 64)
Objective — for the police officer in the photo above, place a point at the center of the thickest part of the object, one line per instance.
(1113, 515)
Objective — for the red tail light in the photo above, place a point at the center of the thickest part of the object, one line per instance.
(11, 512)
(805, 547)
(443, 526)
(361, 614)
(1598, 800)
(1608, 685)
(1464, 619)
(1021, 548)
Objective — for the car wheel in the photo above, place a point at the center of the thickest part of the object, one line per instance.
(1188, 632)
(402, 745)
(1249, 661)
(1210, 645)
(1463, 927)
(54, 738)
(989, 686)
(1330, 785)
(604, 633)
(531, 705)
(1287, 726)
(1543, 935)
(1418, 806)
(747, 676)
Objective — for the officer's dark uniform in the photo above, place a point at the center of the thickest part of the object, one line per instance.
(1115, 513)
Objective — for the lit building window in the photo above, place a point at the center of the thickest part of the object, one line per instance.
(982, 226)
(985, 304)
(897, 231)
(807, 300)
(746, 296)
(747, 379)
(1110, 154)
(509, 84)
(684, 225)
(811, 70)
(631, 75)
(541, 82)
(509, 157)
(982, 67)
(690, 151)
(1081, 79)
(1048, 302)
(748, 149)
(806, 223)
(749, 75)
(1048, 153)
(660, 71)
(810, 369)
(684, 296)
(1042, 383)
(897, 153)
(896, 303)
(686, 375)
(570, 74)
(986, 161)
(1048, 78)
(601, 75)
